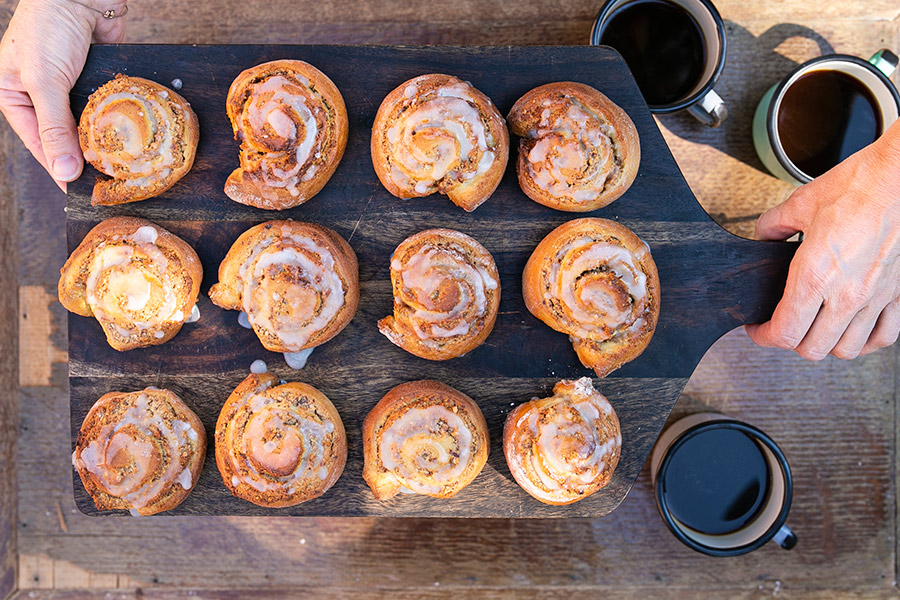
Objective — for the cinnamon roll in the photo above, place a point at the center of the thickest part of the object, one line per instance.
(564, 448)
(298, 283)
(423, 437)
(139, 281)
(446, 294)
(140, 451)
(141, 134)
(292, 125)
(579, 151)
(595, 280)
(279, 445)
(435, 133)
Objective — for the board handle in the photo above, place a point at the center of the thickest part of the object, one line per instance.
(752, 288)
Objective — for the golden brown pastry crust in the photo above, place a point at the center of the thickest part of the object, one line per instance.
(416, 153)
(270, 107)
(297, 282)
(419, 423)
(140, 281)
(140, 133)
(446, 294)
(564, 448)
(579, 151)
(279, 445)
(140, 451)
(595, 280)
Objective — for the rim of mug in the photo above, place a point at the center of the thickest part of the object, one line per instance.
(757, 434)
(771, 122)
(603, 13)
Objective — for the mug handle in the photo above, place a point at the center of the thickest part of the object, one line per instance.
(885, 61)
(710, 109)
(785, 537)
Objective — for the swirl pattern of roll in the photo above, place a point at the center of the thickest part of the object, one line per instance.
(578, 150)
(140, 451)
(435, 133)
(141, 134)
(279, 445)
(595, 280)
(139, 281)
(292, 124)
(446, 294)
(297, 282)
(423, 437)
(564, 448)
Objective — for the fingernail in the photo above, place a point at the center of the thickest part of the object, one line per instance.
(65, 167)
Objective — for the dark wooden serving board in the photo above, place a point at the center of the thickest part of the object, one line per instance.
(711, 280)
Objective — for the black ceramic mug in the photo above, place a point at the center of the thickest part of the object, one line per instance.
(723, 487)
(675, 50)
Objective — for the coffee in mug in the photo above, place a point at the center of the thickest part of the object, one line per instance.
(824, 111)
(675, 50)
(723, 487)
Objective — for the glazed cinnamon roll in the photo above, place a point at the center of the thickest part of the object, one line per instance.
(139, 281)
(279, 445)
(595, 280)
(579, 151)
(435, 133)
(140, 451)
(564, 448)
(292, 125)
(141, 134)
(298, 283)
(446, 294)
(423, 437)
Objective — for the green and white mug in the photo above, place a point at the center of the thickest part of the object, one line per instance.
(872, 74)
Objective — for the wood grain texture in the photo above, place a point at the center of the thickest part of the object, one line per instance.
(843, 553)
(711, 281)
(8, 366)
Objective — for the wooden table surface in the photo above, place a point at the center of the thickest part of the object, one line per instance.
(835, 420)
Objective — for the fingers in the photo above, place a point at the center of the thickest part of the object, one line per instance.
(110, 31)
(797, 309)
(886, 330)
(857, 334)
(784, 220)
(56, 127)
(832, 322)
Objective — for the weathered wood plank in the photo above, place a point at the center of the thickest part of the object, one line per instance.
(8, 367)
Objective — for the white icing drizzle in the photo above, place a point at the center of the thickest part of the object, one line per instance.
(132, 441)
(143, 136)
(595, 307)
(278, 102)
(244, 321)
(258, 367)
(282, 446)
(422, 455)
(567, 445)
(297, 360)
(430, 272)
(302, 309)
(195, 315)
(574, 155)
(438, 136)
(124, 276)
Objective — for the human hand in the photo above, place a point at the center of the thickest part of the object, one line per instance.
(38, 70)
(842, 295)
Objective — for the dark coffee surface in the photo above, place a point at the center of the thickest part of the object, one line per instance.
(663, 46)
(717, 481)
(824, 117)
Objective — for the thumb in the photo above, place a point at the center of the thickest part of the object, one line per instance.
(784, 220)
(56, 127)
